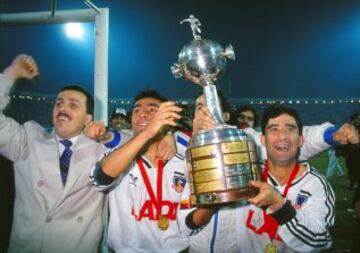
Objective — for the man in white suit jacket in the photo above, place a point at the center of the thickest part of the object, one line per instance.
(49, 215)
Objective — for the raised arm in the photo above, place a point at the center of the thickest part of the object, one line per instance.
(22, 66)
(321, 137)
(12, 135)
(113, 165)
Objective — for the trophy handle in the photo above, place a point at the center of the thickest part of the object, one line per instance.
(213, 104)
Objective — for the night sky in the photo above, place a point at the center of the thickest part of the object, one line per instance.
(284, 49)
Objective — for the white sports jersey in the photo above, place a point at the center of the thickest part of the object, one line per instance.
(311, 196)
(133, 225)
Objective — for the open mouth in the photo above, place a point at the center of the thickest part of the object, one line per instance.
(282, 147)
(141, 123)
(63, 117)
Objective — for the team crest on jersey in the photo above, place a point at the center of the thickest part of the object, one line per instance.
(300, 200)
(179, 182)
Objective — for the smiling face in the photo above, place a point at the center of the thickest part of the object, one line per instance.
(69, 114)
(282, 140)
(143, 112)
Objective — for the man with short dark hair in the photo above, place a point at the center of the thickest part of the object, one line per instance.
(246, 116)
(295, 207)
(216, 236)
(56, 209)
(149, 197)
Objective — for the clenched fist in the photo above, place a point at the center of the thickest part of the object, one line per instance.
(23, 66)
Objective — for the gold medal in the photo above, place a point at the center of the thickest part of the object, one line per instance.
(163, 223)
(271, 248)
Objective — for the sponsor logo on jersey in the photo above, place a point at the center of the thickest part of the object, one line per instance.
(261, 223)
(152, 211)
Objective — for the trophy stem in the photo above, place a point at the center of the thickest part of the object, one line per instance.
(213, 104)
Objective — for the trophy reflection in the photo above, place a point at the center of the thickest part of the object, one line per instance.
(221, 161)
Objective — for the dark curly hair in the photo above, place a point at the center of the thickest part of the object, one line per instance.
(277, 110)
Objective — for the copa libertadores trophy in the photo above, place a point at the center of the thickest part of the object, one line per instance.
(221, 161)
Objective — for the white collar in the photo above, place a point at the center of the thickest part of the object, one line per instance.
(73, 139)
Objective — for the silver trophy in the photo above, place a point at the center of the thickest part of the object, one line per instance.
(222, 161)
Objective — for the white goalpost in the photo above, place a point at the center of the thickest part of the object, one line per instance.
(100, 17)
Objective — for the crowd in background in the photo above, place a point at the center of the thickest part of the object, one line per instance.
(38, 107)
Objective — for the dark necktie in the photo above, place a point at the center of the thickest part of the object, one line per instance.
(65, 160)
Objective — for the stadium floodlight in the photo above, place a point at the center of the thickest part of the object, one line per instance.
(74, 31)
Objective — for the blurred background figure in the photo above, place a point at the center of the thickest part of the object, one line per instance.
(352, 159)
(118, 120)
(351, 153)
(333, 164)
(246, 117)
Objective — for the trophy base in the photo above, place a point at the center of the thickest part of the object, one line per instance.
(223, 197)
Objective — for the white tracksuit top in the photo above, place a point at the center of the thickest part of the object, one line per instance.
(133, 226)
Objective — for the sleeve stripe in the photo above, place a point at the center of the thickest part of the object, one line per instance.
(330, 197)
(316, 237)
(306, 240)
(306, 193)
(182, 141)
(310, 237)
(181, 157)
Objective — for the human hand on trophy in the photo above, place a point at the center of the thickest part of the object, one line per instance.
(157, 118)
(201, 80)
(268, 197)
(203, 119)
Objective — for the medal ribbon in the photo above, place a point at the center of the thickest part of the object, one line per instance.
(273, 225)
(294, 171)
(155, 200)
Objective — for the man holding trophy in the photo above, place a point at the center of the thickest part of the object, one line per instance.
(223, 169)
(150, 209)
(294, 202)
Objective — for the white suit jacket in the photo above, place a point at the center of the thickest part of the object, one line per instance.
(49, 217)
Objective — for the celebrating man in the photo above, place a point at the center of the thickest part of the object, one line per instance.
(149, 201)
(56, 209)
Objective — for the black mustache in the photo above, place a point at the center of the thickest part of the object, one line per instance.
(63, 114)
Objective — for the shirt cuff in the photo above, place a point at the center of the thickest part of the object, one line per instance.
(284, 214)
(328, 135)
(99, 178)
(114, 141)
